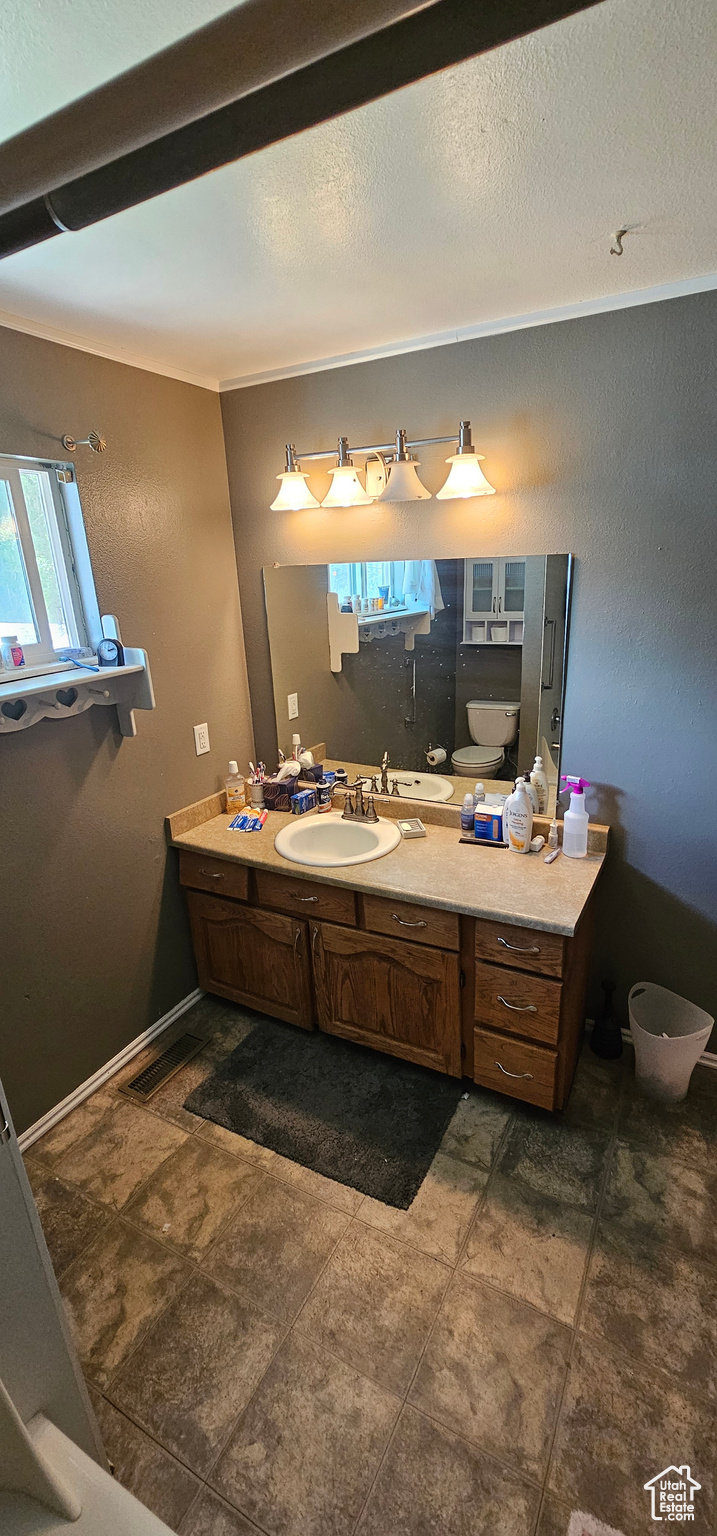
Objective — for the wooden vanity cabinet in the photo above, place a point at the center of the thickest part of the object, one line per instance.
(257, 958)
(392, 994)
(499, 1003)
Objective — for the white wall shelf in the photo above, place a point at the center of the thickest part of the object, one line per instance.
(26, 699)
(348, 630)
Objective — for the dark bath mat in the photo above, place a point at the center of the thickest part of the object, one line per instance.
(353, 1114)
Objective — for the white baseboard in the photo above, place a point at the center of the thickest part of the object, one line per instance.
(34, 1132)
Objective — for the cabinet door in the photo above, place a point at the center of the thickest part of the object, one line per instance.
(253, 957)
(390, 994)
(511, 593)
(481, 596)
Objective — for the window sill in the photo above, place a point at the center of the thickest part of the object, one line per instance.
(26, 698)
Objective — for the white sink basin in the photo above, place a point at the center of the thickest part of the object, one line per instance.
(327, 840)
(417, 786)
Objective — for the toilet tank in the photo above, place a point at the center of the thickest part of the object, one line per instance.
(493, 722)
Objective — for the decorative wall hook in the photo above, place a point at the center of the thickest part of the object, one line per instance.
(95, 441)
(618, 237)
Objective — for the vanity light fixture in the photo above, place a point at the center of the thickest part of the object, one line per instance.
(346, 489)
(403, 483)
(397, 477)
(466, 477)
(294, 494)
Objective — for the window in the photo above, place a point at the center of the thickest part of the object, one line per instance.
(366, 578)
(47, 595)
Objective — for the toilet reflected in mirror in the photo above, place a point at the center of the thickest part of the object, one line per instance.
(493, 726)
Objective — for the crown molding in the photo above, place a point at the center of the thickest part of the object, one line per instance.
(630, 300)
(45, 332)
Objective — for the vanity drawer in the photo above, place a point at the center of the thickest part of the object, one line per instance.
(530, 949)
(204, 873)
(404, 920)
(527, 1072)
(524, 1005)
(305, 898)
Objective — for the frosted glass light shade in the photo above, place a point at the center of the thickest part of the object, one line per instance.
(403, 483)
(294, 494)
(346, 489)
(465, 479)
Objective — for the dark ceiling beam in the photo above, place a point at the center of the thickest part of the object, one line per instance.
(248, 47)
(446, 33)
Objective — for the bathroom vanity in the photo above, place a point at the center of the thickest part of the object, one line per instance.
(469, 960)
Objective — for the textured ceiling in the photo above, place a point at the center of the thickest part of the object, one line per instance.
(487, 192)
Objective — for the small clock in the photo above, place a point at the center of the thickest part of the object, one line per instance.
(110, 653)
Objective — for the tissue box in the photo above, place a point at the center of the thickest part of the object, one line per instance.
(278, 794)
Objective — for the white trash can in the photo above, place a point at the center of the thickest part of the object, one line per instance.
(669, 1035)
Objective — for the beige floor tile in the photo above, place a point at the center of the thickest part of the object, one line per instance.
(531, 1246)
(595, 1095)
(686, 1131)
(112, 1293)
(620, 1423)
(55, 1143)
(476, 1128)
(305, 1453)
(168, 1101)
(656, 1303)
(194, 1372)
(210, 1516)
(660, 1198)
(438, 1219)
(190, 1198)
(276, 1247)
(143, 1468)
(69, 1220)
(555, 1159)
(554, 1517)
(493, 1371)
(119, 1153)
(432, 1483)
(374, 1305)
(305, 1179)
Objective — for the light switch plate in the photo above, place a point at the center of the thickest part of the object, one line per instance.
(201, 739)
(292, 700)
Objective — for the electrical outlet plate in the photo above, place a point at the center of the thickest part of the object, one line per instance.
(201, 739)
(292, 700)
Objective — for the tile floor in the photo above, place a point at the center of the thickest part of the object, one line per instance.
(268, 1351)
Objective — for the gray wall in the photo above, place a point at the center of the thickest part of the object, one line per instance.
(93, 931)
(601, 436)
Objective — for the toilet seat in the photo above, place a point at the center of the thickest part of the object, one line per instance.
(477, 762)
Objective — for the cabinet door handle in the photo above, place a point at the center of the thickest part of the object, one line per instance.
(405, 923)
(210, 875)
(297, 940)
(521, 949)
(494, 603)
(516, 1008)
(296, 897)
(314, 937)
(506, 1073)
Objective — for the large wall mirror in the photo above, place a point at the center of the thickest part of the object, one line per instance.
(455, 668)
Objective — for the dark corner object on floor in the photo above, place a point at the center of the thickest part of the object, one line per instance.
(366, 1120)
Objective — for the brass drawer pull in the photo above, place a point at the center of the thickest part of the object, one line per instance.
(506, 1073)
(405, 924)
(521, 949)
(210, 875)
(516, 1008)
(295, 897)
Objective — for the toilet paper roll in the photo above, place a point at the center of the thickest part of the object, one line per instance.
(436, 756)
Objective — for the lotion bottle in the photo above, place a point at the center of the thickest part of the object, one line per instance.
(539, 780)
(518, 818)
(532, 792)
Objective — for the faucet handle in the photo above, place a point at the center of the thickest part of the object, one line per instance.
(348, 811)
(370, 813)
